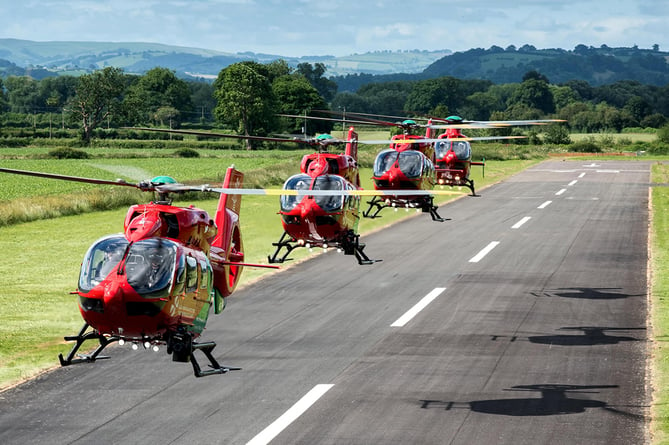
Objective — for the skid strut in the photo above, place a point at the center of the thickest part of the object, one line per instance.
(80, 339)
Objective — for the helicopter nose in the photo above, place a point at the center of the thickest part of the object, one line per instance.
(393, 178)
(307, 209)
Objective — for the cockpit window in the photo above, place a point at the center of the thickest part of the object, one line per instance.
(442, 148)
(329, 182)
(150, 266)
(296, 182)
(102, 257)
(462, 149)
(384, 161)
(411, 163)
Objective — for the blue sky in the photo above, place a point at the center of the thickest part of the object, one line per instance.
(341, 27)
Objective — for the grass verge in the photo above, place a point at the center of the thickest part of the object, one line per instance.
(659, 304)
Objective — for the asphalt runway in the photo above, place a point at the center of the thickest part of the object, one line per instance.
(521, 320)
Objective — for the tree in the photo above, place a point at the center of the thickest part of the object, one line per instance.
(534, 92)
(3, 98)
(314, 74)
(22, 94)
(245, 98)
(158, 88)
(295, 95)
(98, 97)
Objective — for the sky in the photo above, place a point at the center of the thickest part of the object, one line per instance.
(341, 27)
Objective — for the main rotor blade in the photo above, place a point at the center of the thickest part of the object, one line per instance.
(280, 192)
(332, 119)
(70, 178)
(499, 124)
(213, 135)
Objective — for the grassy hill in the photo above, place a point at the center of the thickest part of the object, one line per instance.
(597, 66)
(51, 58)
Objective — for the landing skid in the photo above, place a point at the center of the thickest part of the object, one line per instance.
(426, 206)
(285, 242)
(350, 245)
(80, 339)
(182, 347)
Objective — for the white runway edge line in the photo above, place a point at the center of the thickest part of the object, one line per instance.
(486, 250)
(422, 304)
(280, 424)
(521, 222)
(545, 204)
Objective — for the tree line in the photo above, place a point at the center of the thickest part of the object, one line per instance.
(250, 98)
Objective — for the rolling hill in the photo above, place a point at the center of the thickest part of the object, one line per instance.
(53, 58)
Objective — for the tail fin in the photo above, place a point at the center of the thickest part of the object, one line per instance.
(428, 130)
(227, 248)
(232, 203)
(352, 144)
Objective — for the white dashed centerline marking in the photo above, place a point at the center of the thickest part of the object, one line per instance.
(280, 424)
(545, 204)
(422, 304)
(521, 222)
(572, 182)
(486, 250)
(581, 175)
(559, 192)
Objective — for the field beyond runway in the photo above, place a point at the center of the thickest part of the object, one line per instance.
(521, 320)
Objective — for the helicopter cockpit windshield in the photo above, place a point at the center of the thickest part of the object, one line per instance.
(297, 182)
(462, 149)
(102, 257)
(150, 266)
(331, 203)
(411, 163)
(384, 161)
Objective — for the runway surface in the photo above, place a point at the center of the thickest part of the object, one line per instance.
(521, 320)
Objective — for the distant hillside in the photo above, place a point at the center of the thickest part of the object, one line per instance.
(597, 66)
(53, 58)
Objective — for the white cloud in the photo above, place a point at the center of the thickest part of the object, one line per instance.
(340, 27)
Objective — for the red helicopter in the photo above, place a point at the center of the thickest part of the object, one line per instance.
(321, 220)
(320, 206)
(408, 164)
(453, 152)
(453, 157)
(156, 283)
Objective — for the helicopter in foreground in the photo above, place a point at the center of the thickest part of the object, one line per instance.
(157, 282)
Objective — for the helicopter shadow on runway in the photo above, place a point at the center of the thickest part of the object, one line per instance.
(589, 293)
(554, 400)
(592, 336)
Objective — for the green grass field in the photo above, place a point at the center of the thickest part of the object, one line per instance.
(659, 301)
